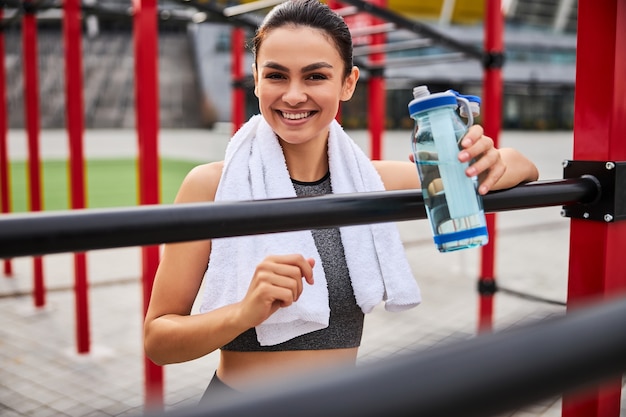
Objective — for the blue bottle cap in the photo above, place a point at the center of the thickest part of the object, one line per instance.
(431, 101)
(474, 103)
(470, 98)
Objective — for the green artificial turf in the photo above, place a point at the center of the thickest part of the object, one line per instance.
(109, 183)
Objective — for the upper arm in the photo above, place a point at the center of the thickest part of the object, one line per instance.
(200, 184)
(398, 175)
(182, 266)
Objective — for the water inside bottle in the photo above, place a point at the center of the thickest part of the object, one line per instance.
(450, 233)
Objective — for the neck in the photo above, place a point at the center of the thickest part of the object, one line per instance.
(306, 162)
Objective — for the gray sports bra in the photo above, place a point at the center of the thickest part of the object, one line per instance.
(346, 318)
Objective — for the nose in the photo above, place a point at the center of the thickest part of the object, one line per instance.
(295, 94)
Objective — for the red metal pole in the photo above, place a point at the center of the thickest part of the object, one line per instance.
(31, 94)
(333, 4)
(377, 94)
(72, 34)
(377, 114)
(596, 266)
(145, 34)
(492, 116)
(239, 98)
(5, 184)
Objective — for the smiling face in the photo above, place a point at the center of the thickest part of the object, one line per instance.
(299, 80)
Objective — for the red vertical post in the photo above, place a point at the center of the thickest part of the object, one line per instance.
(377, 95)
(237, 55)
(145, 34)
(596, 266)
(333, 4)
(72, 34)
(5, 184)
(492, 122)
(31, 95)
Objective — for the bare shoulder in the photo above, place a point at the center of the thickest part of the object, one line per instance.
(200, 184)
(397, 175)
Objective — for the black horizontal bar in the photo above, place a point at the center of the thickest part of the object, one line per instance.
(543, 194)
(81, 230)
(485, 376)
(247, 21)
(416, 27)
(215, 13)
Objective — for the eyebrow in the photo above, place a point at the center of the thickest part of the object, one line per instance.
(307, 68)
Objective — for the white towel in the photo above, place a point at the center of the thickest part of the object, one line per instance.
(255, 168)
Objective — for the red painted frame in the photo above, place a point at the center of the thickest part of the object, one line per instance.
(72, 38)
(377, 94)
(145, 35)
(492, 123)
(239, 92)
(5, 183)
(31, 95)
(596, 268)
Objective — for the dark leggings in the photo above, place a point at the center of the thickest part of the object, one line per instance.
(216, 389)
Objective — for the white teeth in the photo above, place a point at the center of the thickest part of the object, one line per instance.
(296, 116)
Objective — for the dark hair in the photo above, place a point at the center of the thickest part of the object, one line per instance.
(310, 13)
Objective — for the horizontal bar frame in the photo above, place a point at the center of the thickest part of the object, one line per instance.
(41, 233)
(484, 376)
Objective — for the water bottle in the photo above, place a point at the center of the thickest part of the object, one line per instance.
(453, 205)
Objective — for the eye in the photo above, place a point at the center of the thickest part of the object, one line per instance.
(275, 76)
(316, 77)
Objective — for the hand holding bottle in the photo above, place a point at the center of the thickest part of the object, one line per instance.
(485, 159)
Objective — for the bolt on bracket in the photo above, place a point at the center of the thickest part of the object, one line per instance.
(610, 206)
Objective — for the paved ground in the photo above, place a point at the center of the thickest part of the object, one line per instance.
(41, 374)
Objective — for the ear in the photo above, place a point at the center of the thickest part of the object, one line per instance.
(349, 84)
(256, 79)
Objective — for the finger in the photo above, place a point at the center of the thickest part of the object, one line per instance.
(281, 298)
(287, 291)
(294, 266)
(493, 175)
(308, 274)
(483, 163)
(474, 133)
(272, 286)
(304, 265)
(288, 276)
(479, 147)
(264, 298)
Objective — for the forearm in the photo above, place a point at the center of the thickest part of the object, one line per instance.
(519, 169)
(176, 338)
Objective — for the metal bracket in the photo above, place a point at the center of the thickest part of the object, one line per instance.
(493, 60)
(610, 205)
(487, 286)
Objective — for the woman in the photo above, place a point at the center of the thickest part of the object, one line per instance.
(302, 71)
